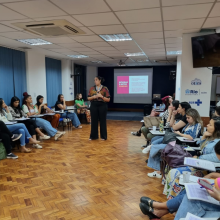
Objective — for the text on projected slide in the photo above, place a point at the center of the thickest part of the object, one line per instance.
(132, 85)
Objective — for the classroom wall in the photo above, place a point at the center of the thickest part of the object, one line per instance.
(36, 75)
(92, 72)
(161, 83)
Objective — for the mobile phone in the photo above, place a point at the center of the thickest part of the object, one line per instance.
(205, 184)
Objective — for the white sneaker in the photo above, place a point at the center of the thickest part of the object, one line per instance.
(45, 137)
(57, 136)
(37, 146)
(155, 174)
(146, 150)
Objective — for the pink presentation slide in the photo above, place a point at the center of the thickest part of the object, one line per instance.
(123, 84)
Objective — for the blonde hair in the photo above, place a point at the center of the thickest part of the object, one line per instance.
(196, 117)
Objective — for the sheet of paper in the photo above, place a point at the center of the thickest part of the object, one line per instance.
(195, 192)
(22, 119)
(49, 114)
(142, 120)
(194, 179)
(203, 164)
(192, 217)
(10, 122)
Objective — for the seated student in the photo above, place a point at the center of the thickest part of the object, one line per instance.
(6, 137)
(167, 101)
(209, 139)
(190, 131)
(61, 105)
(29, 109)
(16, 128)
(80, 105)
(181, 203)
(17, 112)
(165, 117)
(43, 109)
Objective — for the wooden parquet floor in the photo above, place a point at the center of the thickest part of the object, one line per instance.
(75, 178)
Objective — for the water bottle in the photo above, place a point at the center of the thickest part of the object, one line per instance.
(161, 126)
(155, 105)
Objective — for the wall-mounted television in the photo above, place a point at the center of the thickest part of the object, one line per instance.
(206, 50)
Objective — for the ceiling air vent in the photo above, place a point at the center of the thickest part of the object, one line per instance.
(50, 28)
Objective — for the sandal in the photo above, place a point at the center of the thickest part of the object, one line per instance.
(147, 201)
(146, 210)
(27, 150)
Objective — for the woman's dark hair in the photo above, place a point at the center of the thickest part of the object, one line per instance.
(175, 104)
(18, 108)
(26, 96)
(77, 96)
(38, 98)
(216, 133)
(185, 105)
(58, 98)
(217, 109)
(217, 148)
(100, 78)
(1, 102)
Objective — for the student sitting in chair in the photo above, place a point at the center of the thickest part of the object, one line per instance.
(82, 108)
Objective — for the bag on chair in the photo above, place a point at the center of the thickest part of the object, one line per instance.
(169, 137)
(172, 156)
(3, 154)
(151, 121)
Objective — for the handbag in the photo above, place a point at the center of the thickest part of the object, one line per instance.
(173, 157)
(169, 137)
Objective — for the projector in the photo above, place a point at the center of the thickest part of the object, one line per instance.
(121, 63)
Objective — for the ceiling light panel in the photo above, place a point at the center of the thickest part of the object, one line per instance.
(134, 54)
(174, 52)
(36, 9)
(78, 56)
(34, 42)
(137, 16)
(116, 37)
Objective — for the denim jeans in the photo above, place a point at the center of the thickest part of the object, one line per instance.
(40, 122)
(154, 157)
(157, 140)
(174, 204)
(73, 117)
(198, 208)
(19, 129)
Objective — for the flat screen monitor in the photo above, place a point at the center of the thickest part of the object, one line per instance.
(206, 50)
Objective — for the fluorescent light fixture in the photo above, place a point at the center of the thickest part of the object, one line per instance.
(97, 61)
(174, 52)
(77, 56)
(34, 42)
(134, 54)
(141, 61)
(116, 37)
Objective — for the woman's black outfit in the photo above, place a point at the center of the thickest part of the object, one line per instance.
(5, 137)
(98, 112)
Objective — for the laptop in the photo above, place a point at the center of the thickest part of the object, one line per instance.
(156, 96)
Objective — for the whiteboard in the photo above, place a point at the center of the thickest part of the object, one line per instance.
(218, 85)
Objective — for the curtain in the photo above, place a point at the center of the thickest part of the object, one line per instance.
(6, 74)
(80, 80)
(53, 80)
(19, 65)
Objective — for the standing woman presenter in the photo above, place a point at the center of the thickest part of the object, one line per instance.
(99, 96)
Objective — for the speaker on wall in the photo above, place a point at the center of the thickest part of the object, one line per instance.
(172, 75)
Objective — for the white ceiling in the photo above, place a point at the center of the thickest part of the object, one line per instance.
(156, 26)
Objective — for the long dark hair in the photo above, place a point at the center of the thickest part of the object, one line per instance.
(58, 98)
(77, 96)
(1, 102)
(216, 133)
(16, 109)
(38, 98)
(175, 104)
(185, 105)
(26, 96)
(101, 79)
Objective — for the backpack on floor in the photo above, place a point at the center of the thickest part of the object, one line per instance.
(3, 154)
